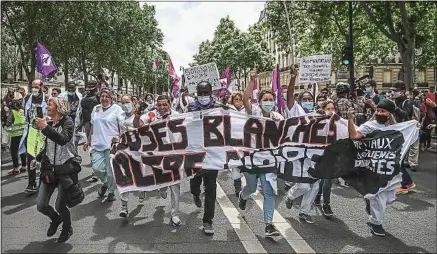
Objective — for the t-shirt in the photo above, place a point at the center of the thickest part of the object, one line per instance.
(106, 125)
(257, 111)
(431, 96)
(370, 126)
(295, 111)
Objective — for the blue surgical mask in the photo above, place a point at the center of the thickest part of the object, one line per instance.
(204, 100)
(308, 105)
(267, 106)
(127, 107)
(284, 96)
(368, 90)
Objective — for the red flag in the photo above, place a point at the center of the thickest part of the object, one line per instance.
(172, 73)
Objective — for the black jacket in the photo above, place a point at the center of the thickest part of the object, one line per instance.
(87, 104)
(404, 111)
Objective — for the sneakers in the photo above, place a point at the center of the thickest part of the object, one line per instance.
(124, 212)
(197, 201)
(175, 221)
(411, 186)
(142, 197)
(15, 171)
(208, 229)
(94, 178)
(110, 197)
(402, 190)
(54, 226)
(65, 234)
(271, 230)
(367, 206)
(317, 200)
(288, 202)
(31, 188)
(241, 202)
(306, 217)
(326, 210)
(163, 193)
(102, 191)
(377, 230)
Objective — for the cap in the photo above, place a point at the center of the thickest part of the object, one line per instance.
(388, 105)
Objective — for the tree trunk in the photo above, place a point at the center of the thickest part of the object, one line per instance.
(84, 71)
(66, 66)
(407, 51)
(120, 84)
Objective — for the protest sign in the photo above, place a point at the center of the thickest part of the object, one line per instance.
(206, 72)
(162, 154)
(315, 69)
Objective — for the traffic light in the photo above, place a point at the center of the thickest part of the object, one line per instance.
(346, 55)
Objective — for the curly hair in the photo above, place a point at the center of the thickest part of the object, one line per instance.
(233, 95)
(62, 105)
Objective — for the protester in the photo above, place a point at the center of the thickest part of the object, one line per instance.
(162, 113)
(59, 168)
(87, 105)
(15, 125)
(32, 141)
(376, 203)
(56, 92)
(236, 103)
(150, 103)
(343, 104)
(268, 181)
(326, 184)
(106, 123)
(403, 113)
(360, 105)
(204, 101)
(74, 99)
(304, 186)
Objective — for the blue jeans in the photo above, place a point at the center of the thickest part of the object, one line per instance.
(406, 178)
(268, 193)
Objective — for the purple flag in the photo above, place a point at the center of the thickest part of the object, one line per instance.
(277, 90)
(44, 61)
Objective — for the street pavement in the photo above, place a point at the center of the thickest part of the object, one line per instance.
(410, 221)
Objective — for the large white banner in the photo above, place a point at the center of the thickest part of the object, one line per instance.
(206, 72)
(298, 149)
(314, 69)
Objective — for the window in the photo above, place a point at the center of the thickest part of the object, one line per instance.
(387, 76)
(421, 76)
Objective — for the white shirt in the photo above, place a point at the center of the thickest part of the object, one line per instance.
(370, 126)
(106, 125)
(129, 122)
(295, 111)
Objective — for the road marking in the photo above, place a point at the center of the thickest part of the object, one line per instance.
(244, 233)
(293, 238)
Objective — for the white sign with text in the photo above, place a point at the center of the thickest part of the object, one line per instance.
(206, 72)
(314, 69)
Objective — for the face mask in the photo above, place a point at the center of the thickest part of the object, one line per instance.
(284, 96)
(127, 107)
(204, 100)
(71, 93)
(329, 112)
(268, 106)
(381, 119)
(368, 90)
(35, 91)
(308, 105)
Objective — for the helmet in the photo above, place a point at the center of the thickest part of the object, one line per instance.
(342, 87)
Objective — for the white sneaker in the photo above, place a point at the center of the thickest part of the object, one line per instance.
(175, 221)
(124, 212)
(142, 197)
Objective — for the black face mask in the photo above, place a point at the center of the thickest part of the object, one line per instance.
(381, 119)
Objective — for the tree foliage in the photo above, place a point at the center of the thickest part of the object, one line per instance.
(232, 47)
(380, 29)
(85, 37)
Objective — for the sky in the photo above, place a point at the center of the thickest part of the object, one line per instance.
(186, 24)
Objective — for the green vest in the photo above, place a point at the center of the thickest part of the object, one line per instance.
(17, 128)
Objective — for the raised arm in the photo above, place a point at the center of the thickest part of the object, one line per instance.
(290, 89)
(248, 92)
(353, 133)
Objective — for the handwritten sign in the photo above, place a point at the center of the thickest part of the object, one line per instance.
(207, 72)
(315, 69)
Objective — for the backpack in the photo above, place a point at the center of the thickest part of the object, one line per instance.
(416, 111)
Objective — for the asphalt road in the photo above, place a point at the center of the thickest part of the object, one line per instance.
(410, 221)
